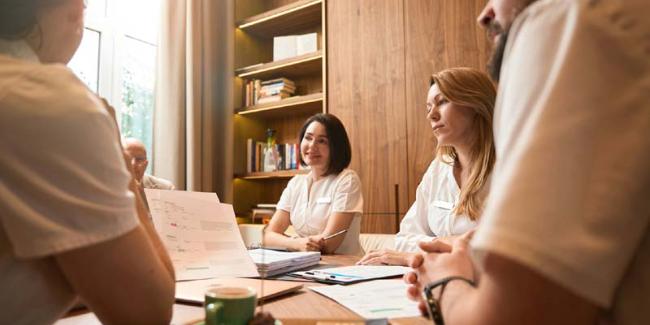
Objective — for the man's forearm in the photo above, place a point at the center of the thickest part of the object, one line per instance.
(458, 304)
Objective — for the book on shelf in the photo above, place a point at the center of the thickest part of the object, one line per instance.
(287, 156)
(266, 206)
(262, 215)
(278, 81)
(289, 46)
(258, 91)
(274, 98)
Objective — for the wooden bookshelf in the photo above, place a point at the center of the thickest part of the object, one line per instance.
(282, 174)
(307, 64)
(284, 20)
(312, 103)
(258, 21)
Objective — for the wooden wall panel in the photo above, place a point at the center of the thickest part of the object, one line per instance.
(366, 82)
(439, 34)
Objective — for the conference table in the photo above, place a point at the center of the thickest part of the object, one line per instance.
(302, 307)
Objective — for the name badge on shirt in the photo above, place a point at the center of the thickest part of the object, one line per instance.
(324, 200)
(443, 204)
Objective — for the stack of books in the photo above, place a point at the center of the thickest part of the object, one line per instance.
(263, 212)
(267, 91)
(275, 90)
(272, 262)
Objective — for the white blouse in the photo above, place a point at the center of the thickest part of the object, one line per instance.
(310, 203)
(431, 215)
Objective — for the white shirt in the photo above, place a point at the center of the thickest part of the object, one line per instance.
(156, 183)
(431, 215)
(309, 209)
(63, 183)
(570, 194)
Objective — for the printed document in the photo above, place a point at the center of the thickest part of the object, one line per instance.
(200, 234)
(373, 299)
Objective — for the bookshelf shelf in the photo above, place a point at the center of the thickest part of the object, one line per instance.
(256, 77)
(283, 174)
(308, 104)
(282, 20)
(307, 64)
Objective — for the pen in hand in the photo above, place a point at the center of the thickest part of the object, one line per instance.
(335, 234)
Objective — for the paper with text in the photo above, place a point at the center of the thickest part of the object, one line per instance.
(200, 234)
(373, 299)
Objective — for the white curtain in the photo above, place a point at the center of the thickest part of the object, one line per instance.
(192, 143)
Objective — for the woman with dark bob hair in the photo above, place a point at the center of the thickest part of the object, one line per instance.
(72, 224)
(324, 202)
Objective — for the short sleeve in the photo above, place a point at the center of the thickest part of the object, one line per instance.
(569, 194)
(288, 197)
(347, 195)
(64, 183)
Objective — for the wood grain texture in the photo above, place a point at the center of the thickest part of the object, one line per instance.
(365, 49)
(439, 34)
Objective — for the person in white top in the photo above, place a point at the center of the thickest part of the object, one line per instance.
(324, 202)
(565, 234)
(138, 153)
(450, 196)
(72, 226)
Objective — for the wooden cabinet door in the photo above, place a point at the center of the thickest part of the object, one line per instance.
(439, 34)
(366, 82)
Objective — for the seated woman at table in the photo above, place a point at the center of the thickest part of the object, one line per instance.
(449, 199)
(72, 226)
(323, 202)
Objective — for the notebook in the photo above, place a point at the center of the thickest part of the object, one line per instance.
(353, 274)
(193, 291)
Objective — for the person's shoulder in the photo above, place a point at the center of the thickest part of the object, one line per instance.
(348, 176)
(298, 179)
(348, 173)
(51, 89)
(439, 165)
(154, 182)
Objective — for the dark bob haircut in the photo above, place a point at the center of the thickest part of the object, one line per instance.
(18, 17)
(339, 144)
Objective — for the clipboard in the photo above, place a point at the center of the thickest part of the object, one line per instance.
(353, 274)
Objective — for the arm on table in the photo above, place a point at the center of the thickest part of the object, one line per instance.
(500, 297)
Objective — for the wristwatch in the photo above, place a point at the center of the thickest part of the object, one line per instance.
(433, 302)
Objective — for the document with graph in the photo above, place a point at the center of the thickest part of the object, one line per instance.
(200, 234)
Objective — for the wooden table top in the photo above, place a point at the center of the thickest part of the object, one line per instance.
(302, 307)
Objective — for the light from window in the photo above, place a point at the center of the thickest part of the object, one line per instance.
(85, 63)
(116, 59)
(138, 71)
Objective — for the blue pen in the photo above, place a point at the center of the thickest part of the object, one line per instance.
(334, 275)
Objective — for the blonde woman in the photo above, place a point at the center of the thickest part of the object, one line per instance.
(450, 196)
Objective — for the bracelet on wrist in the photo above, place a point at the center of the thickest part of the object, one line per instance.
(433, 303)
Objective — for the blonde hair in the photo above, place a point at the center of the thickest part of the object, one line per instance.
(471, 88)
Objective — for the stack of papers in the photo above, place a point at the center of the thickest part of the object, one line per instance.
(271, 262)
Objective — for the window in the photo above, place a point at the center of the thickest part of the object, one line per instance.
(117, 59)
